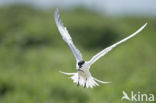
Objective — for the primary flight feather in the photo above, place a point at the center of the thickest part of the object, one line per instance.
(83, 76)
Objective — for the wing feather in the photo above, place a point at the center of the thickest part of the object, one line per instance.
(66, 36)
(106, 50)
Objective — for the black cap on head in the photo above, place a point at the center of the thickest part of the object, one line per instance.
(80, 63)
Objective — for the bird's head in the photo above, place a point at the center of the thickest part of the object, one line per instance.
(80, 63)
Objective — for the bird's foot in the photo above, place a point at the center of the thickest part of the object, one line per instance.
(85, 83)
(78, 84)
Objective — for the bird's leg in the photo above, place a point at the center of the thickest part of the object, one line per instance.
(85, 83)
(78, 81)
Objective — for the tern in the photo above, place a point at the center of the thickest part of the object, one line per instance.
(83, 76)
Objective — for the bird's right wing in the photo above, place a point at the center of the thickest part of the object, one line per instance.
(66, 37)
(106, 50)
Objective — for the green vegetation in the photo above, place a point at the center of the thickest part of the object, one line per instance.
(32, 52)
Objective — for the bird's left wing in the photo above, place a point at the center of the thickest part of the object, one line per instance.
(106, 50)
(66, 37)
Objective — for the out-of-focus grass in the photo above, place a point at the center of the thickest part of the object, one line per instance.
(32, 52)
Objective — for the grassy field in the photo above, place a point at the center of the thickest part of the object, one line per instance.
(32, 52)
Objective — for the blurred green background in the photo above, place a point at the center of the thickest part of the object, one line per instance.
(32, 52)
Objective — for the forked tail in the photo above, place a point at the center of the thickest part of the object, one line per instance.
(90, 82)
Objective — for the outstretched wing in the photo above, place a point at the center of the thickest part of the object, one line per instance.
(106, 50)
(66, 37)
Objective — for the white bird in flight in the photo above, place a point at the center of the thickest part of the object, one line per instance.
(83, 76)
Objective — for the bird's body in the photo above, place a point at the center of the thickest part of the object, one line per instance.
(83, 70)
(83, 76)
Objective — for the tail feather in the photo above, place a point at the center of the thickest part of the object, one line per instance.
(102, 81)
(66, 73)
(89, 83)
